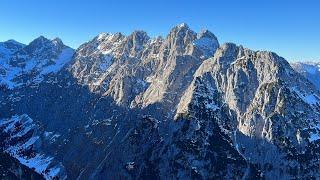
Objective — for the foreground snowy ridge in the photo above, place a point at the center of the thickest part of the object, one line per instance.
(21, 141)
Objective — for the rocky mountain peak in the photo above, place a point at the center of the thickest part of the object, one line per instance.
(180, 31)
(9, 47)
(102, 36)
(225, 54)
(42, 46)
(13, 44)
(105, 43)
(12, 41)
(39, 41)
(207, 43)
(183, 25)
(139, 36)
(34, 61)
(109, 37)
(58, 42)
(179, 40)
(135, 43)
(205, 33)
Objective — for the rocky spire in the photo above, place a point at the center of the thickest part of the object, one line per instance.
(135, 43)
(58, 42)
(180, 39)
(207, 43)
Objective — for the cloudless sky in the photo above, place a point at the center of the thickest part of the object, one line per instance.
(289, 28)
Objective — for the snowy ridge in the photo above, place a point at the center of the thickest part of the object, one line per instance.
(22, 142)
(8, 48)
(311, 99)
(61, 61)
(36, 60)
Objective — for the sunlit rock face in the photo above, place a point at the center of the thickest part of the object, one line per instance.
(137, 107)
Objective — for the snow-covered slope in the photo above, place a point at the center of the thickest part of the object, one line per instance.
(21, 139)
(24, 65)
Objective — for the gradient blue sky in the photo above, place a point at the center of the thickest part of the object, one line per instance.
(289, 28)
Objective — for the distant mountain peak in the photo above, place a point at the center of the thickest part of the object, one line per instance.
(139, 37)
(108, 36)
(183, 25)
(40, 39)
(12, 41)
(102, 36)
(180, 28)
(206, 33)
(57, 41)
(10, 46)
(310, 70)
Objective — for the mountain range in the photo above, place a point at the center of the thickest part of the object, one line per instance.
(136, 107)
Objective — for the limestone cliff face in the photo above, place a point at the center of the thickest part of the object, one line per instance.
(180, 58)
(140, 71)
(273, 106)
(135, 107)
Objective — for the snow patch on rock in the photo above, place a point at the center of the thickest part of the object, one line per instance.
(62, 60)
(21, 140)
(208, 46)
(311, 99)
(314, 137)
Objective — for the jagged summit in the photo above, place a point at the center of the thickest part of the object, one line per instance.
(102, 36)
(180, 35)
(40, 57)
(9, 47)
(57, 41)
(205, 33)
(180, 28)
(39, 41)
(12, 41)
(139, 37)
(43, 46)
(182, 25)
(139, 33)
(42, 41)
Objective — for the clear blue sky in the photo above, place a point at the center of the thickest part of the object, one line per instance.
(289, 28)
